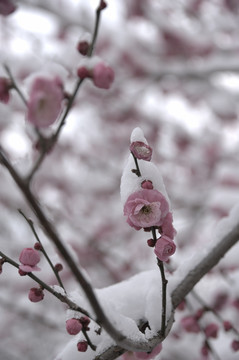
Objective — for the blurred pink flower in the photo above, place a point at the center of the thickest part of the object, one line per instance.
(29, 258)
(6, 7)
(146, 208)
(44, 103)
(167, 226)
(141, 150)
(164, 248)
(5, 86)
(103, 76)
(35, 294)
(211, 330)
(190, 324)
(73, 326)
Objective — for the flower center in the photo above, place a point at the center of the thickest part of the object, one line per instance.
(146, 209)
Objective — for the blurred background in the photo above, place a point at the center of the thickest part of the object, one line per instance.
(176, 76)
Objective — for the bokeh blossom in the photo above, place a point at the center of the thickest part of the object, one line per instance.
(103, 76)
(45, 100)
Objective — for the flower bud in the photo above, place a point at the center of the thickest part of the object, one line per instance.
(103, 76)
(235, 345)
(35, 294)
(227, 325)
(82, 346)
(84, 320)
(211, 330)
(83, 47)
(73, 326)
(141, 150)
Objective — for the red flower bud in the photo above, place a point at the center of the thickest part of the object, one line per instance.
(82, 346)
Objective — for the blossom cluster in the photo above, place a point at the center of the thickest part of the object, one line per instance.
(149, 209)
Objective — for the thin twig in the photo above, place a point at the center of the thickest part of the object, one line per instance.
(31, 224)
(14, 84)
(164, 288)
(58, 295)
(137, 170)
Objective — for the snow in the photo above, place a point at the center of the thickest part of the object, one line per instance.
(125, 304)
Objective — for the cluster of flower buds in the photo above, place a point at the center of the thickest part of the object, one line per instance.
(101, 74)
(74, 326)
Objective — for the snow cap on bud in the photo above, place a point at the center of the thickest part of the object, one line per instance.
(5, 85)
(35, 294)
(73, 326)
(45, 100)
(103, 76)
(29, 258)
(164, 248)
(82, 346)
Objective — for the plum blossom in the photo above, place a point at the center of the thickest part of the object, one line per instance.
(45, 100)
(146, 208)
(141, 150)
(35, 294)
(167, 226)
(190, 324)
(29, 258)
(73, 326)
(235, 345)
(164, 248)
(103, 76)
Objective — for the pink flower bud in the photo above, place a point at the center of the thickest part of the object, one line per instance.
(102, 5)
(141, 150)
(83, 47)
(103, 76)
(235, 345)
(7, 7)
(29, 258)
(73, 326)
(227, 325)
(151, 242)
(147, 184)
(35, 294)
(189, 324)
(83, 72)
(82, 346)
(38, 246)
(164, 248)
(84, 320)
(58, 267)
(211, 330)
(45, 100)
(21, 272)
(5, 86)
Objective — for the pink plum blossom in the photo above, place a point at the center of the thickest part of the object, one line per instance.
(146, 208)
(103, 76)
(5, 86)
(35, 294)
(141, 150)
(190, 324)
(73, 326)
(45, 100)
(29, 258)
(164, 248)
